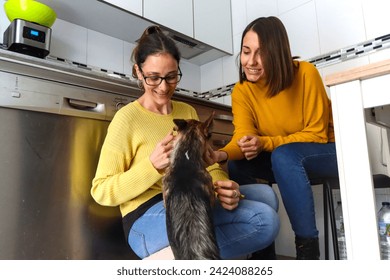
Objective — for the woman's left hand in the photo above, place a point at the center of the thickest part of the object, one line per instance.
(228, 193)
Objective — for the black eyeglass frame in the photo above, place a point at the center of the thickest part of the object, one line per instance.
(179, 75)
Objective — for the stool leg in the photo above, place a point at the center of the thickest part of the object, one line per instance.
(332, 221)
(326, 229)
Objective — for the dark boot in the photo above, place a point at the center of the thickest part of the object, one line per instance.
(268, 253)
(307, 248)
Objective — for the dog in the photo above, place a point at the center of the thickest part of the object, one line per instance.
(189, 194)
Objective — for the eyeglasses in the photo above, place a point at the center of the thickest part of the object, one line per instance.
(156, 80)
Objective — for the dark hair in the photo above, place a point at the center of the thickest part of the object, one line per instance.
(153, 41)
(275, 53)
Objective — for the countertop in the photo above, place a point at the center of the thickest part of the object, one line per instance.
(359, 73)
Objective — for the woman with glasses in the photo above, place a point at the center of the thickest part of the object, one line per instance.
(136, 152)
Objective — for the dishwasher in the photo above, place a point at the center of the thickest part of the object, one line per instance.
(53, 121)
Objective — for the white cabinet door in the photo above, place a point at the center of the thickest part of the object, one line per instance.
(174, 14)
(213, 23)
(133, 6)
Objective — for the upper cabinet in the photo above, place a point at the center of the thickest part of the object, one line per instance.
(207, 21)
(202, 29)
(174, 14)
(133, 6)
(213, 23)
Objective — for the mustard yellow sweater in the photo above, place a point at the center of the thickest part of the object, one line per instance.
(125, 176)
(300, 113)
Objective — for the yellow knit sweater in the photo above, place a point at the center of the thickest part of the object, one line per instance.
(125, 176)
(300, 113)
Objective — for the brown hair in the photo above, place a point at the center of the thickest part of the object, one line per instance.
(275, 54)
(153, 41)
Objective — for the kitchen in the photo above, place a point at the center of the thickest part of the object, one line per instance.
(315, 27)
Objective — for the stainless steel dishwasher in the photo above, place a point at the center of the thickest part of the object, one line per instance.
(53, 122)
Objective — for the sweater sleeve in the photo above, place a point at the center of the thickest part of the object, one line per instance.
(114, 182)
(316, 109)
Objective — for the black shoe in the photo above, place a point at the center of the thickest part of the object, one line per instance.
(307, 248)
(268, 253)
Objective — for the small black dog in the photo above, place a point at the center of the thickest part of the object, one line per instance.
(189, 194)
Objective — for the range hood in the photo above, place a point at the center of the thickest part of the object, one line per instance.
(189, 48)
(113, 21)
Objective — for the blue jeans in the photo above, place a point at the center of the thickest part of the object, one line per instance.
(290, 166)
(252, 226)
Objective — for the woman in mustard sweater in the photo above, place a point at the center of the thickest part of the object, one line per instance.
(283, 126)
(136, 152)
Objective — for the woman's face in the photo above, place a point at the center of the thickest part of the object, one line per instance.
(250, 57)
(156, 66)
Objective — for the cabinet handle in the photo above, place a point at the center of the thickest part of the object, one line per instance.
(223, 118)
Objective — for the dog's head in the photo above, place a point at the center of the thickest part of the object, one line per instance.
(192, 131)
(202, 129)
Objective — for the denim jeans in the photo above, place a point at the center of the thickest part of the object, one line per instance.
(291, 166)
(253, 225)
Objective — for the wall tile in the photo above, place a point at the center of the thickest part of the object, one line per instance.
(301, 25)
(105, 51)
(376, 17)
(4, 21)
(191, 76)
(379, 56)
(230, 63)
(288, 5)
(127, 63)
(340, 24)
(69, 41)
(238, 16)
(260, 8)
(211, 75)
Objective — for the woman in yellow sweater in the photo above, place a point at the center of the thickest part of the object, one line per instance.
(283, 126)
(136, 152)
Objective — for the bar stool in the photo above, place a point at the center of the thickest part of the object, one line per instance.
(380, 181)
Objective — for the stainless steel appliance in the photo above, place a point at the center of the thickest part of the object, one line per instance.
(28, 38)
(53, 120)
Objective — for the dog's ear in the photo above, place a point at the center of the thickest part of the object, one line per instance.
(180, 123)
(208, 125)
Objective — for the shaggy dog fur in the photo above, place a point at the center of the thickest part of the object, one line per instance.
(189, 194)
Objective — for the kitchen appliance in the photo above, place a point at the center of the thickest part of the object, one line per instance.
(28, 38)
(53, 121)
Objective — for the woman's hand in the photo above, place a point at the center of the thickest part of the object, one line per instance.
(250, 146)
(160, 156)
(228, 193)
(216, 156)
(210, 156)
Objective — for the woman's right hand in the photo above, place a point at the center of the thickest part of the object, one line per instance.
(160, 156)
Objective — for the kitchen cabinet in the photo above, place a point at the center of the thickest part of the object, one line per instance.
(174, 14)
(207, 21)
(133, 6)
(213, 23)
(126, 20)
